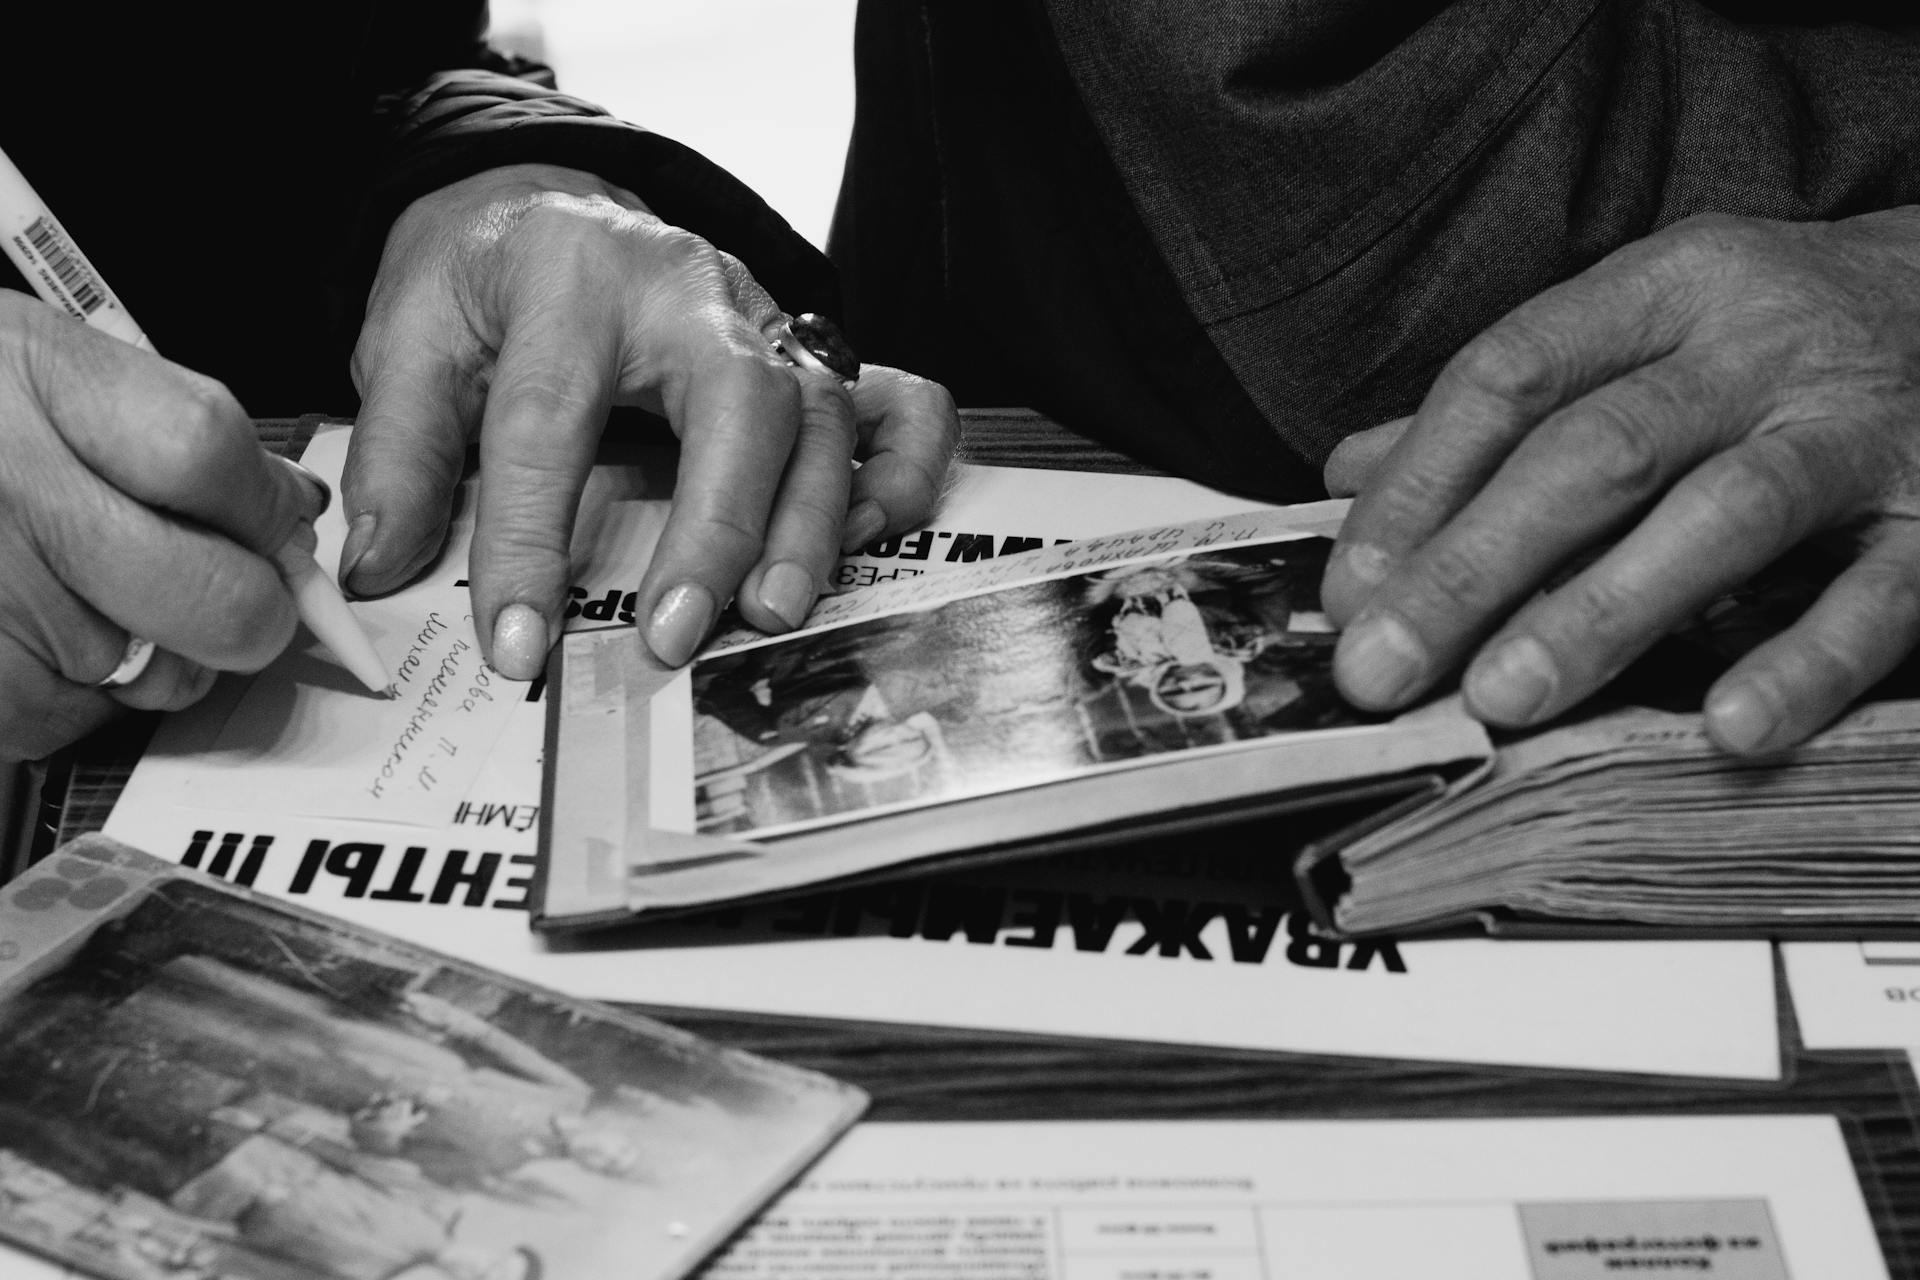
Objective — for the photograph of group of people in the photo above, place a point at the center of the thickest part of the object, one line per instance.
(1017, 687)
(209, 1092)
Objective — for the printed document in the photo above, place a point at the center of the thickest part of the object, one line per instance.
(1729, 1197)
(1738, 1198)
(1181, 951)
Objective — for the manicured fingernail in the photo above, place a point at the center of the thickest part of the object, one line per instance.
(354, 549)
(865, 522)
(1381, 662)
(1511, 685)
(679, 622)
(1368, 564)
(1741, 719)
(787, 590)
(520, 642)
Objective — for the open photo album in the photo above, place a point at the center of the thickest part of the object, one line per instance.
(1178, 680)
(1176, 676)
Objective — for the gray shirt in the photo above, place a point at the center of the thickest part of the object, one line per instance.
(1225, 234)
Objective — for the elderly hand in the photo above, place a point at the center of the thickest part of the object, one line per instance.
(1703, 400)
(134, 499)
(522, 304)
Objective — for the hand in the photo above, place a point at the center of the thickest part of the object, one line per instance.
(134, 498)
(1704, 400)
(523, 303)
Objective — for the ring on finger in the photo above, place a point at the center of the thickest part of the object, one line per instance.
(815, 343)
(133, 664)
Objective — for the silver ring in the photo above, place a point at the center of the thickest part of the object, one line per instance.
(133, 664)
(815, 343)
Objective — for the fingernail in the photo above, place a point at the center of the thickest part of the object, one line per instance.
(1741, 719)
(865, 522)
(520, 642)
(1511, 685)
(679, 623)
(354, 549)
(1381, 662)
(788, 591)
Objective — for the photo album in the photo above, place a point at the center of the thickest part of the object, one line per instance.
(1179, 679)
(202, 1082)
(1163, 679)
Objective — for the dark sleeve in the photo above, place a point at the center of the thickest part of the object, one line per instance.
(445, 106)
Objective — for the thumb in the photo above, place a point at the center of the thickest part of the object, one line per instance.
(1352, 464)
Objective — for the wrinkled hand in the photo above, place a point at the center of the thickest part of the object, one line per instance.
(134, 498)
(522, 304)
(1709, 397)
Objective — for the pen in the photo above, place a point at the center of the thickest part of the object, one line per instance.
(61, 275)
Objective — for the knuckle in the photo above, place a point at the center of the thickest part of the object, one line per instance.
(1832, 667)
(1453, 574)
(726, 538)
(528, 536)
(685, 253)
(907, 486)
(1597, 617)
(1706, 246)
(567, 389)
(204, 421)
(1754, 494)
(1710, 236)
(1620, 445)
(826, 420)
(1886, 598)
(1513, 362)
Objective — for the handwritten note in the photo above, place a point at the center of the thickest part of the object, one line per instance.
(303, 741)
(302, 738)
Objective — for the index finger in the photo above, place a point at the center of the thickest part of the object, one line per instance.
(1545, 354)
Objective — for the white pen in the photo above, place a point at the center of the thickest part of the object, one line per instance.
(61, 274)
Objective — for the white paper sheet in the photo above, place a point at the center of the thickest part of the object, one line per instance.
(1739, 1198)
(303, 738)
(1855, 995)
(1664, 1008)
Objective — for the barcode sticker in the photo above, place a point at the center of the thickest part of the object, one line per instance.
(79, 287)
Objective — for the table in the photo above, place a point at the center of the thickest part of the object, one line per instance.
(916, 1074)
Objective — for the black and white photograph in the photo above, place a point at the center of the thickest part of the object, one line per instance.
(1206, 651)
(212, 1087)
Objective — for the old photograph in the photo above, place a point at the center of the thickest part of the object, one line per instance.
(212, 1087)
(1208, 651)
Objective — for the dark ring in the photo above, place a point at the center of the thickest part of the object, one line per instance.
(815, 343)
